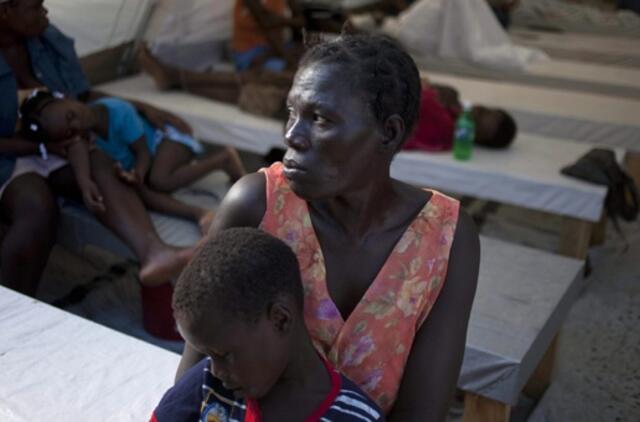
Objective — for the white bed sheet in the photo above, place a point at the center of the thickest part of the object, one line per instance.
(593, 107)
(525, 175)
(56, 366)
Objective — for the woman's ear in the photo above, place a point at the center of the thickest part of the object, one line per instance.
(393, 133)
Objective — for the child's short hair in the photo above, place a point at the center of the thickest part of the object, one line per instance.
(240, 271)
(505, 134)
(30, 112)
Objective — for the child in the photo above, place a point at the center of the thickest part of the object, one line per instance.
(131, 141)
(240, 302)
(440, 107)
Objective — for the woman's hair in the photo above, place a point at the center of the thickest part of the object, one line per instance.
(379, 67)
(31, 112)
(239, 272)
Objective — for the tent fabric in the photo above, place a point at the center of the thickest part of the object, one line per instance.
(466, 30)
(527, 174)
(191, 33)
(98, 24)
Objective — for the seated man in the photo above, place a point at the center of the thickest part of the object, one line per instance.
(264, 61)
(258, 34)
(440, 107)
(240, 303)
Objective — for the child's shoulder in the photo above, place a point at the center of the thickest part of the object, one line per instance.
(182, 401)
(352, 404)
(116, 104)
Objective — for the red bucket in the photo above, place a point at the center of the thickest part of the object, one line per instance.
(157, 315)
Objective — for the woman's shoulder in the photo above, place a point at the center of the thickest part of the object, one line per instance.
(427, 198)
(59, 40)
(245, 203)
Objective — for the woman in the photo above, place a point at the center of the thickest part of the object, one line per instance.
(34, 54)
(389, 270)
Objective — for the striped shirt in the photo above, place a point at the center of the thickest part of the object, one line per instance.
(199, 396)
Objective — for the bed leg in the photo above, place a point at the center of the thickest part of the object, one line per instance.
(482, 409)
(632, 166)
(599, 233)
(575, 237)
(541, 377)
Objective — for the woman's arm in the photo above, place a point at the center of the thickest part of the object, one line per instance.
(243, 206)
(143, 159)
(433, 367)
(18, 147)
(78, 156)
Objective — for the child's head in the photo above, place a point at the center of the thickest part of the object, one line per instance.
(495, 128)
(50, 118)
(240, 302)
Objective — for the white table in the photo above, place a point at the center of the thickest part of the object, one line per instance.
(56, 366)
(526, 175)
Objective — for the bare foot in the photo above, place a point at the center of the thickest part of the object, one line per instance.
(164, 265)
(233, 165)
(158, 71)
(205, 221)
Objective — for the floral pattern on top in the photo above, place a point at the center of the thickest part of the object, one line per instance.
(372, 345)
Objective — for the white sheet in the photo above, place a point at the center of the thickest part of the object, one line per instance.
(526, 175)
(466, 30)
(56, 366)
(593, 107)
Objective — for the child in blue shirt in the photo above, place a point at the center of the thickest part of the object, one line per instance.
(240, 301)
(157, 161)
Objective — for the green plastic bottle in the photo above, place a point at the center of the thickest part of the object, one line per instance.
(464, 134)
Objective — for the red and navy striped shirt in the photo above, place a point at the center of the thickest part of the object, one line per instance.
(199, 396)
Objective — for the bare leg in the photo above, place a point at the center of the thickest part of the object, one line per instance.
(173, 168)
(127, 217)
(216, 85)
(165, 203)
(219, 85)
(30, 207)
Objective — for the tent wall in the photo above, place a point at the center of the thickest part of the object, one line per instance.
(97, 25)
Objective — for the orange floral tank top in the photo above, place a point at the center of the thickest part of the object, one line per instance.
(372, 346)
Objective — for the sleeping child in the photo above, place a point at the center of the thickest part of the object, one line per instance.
(157, 161)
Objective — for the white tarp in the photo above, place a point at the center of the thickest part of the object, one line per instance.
(191, 33)
(98, 24)
(464, 30)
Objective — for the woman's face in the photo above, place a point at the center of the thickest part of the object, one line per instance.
(333, 139)
(27, 18)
